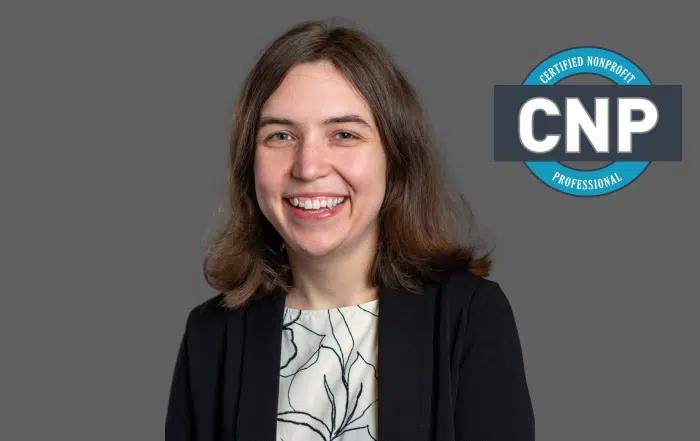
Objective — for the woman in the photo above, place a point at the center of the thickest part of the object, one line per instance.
(348, 310)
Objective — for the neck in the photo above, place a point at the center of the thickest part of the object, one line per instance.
(333, 281)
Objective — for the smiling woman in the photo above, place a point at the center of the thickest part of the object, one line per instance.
(330, 154)
(347, 308)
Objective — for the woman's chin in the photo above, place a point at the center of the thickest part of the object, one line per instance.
(316, 249)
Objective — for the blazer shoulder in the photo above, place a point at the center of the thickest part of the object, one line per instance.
(461, 286)
(463, 292)
(207, 312)
(480, 309)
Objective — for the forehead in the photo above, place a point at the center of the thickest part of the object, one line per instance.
(314, 91)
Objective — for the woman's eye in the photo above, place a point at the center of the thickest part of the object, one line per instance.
(345, 135)
(276, 136)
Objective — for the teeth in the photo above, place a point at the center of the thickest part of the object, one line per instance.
(316, 204)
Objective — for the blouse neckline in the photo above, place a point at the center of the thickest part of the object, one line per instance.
(370, 306)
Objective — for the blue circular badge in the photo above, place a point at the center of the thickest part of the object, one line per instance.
(614, 176)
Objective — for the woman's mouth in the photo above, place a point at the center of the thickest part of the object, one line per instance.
(316, 208)
(315, 204)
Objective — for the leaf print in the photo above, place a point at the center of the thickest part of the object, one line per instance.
(367, 311)
(364, 404)
(296, 423)
(312, 384)
(331, 398)
(341, 332)
(364, 428)
(352, 412)
(328, 384)
(293, 330)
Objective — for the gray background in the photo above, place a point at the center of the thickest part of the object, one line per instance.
(115, 120)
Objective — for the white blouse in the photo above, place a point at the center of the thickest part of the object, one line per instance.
(328, 374)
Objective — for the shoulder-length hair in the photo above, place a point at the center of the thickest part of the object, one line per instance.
(418, 238)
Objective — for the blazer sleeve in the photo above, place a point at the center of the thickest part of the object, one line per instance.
(179, 418)
(493, 401)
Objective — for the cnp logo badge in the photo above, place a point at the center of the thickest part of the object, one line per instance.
(627, 124)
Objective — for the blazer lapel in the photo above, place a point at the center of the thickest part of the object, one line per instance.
(256, 418)
(405, 365)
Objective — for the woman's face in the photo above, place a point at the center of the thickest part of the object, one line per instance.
(320, 168)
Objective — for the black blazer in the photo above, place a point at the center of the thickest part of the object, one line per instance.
(450, 367)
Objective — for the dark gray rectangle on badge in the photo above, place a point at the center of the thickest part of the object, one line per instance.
(662, 143)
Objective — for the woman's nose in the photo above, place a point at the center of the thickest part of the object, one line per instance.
(311, 161)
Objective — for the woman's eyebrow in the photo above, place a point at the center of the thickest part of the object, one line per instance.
(347, 119)
(268, 120)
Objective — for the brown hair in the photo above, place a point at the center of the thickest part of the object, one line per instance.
(417, 218)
